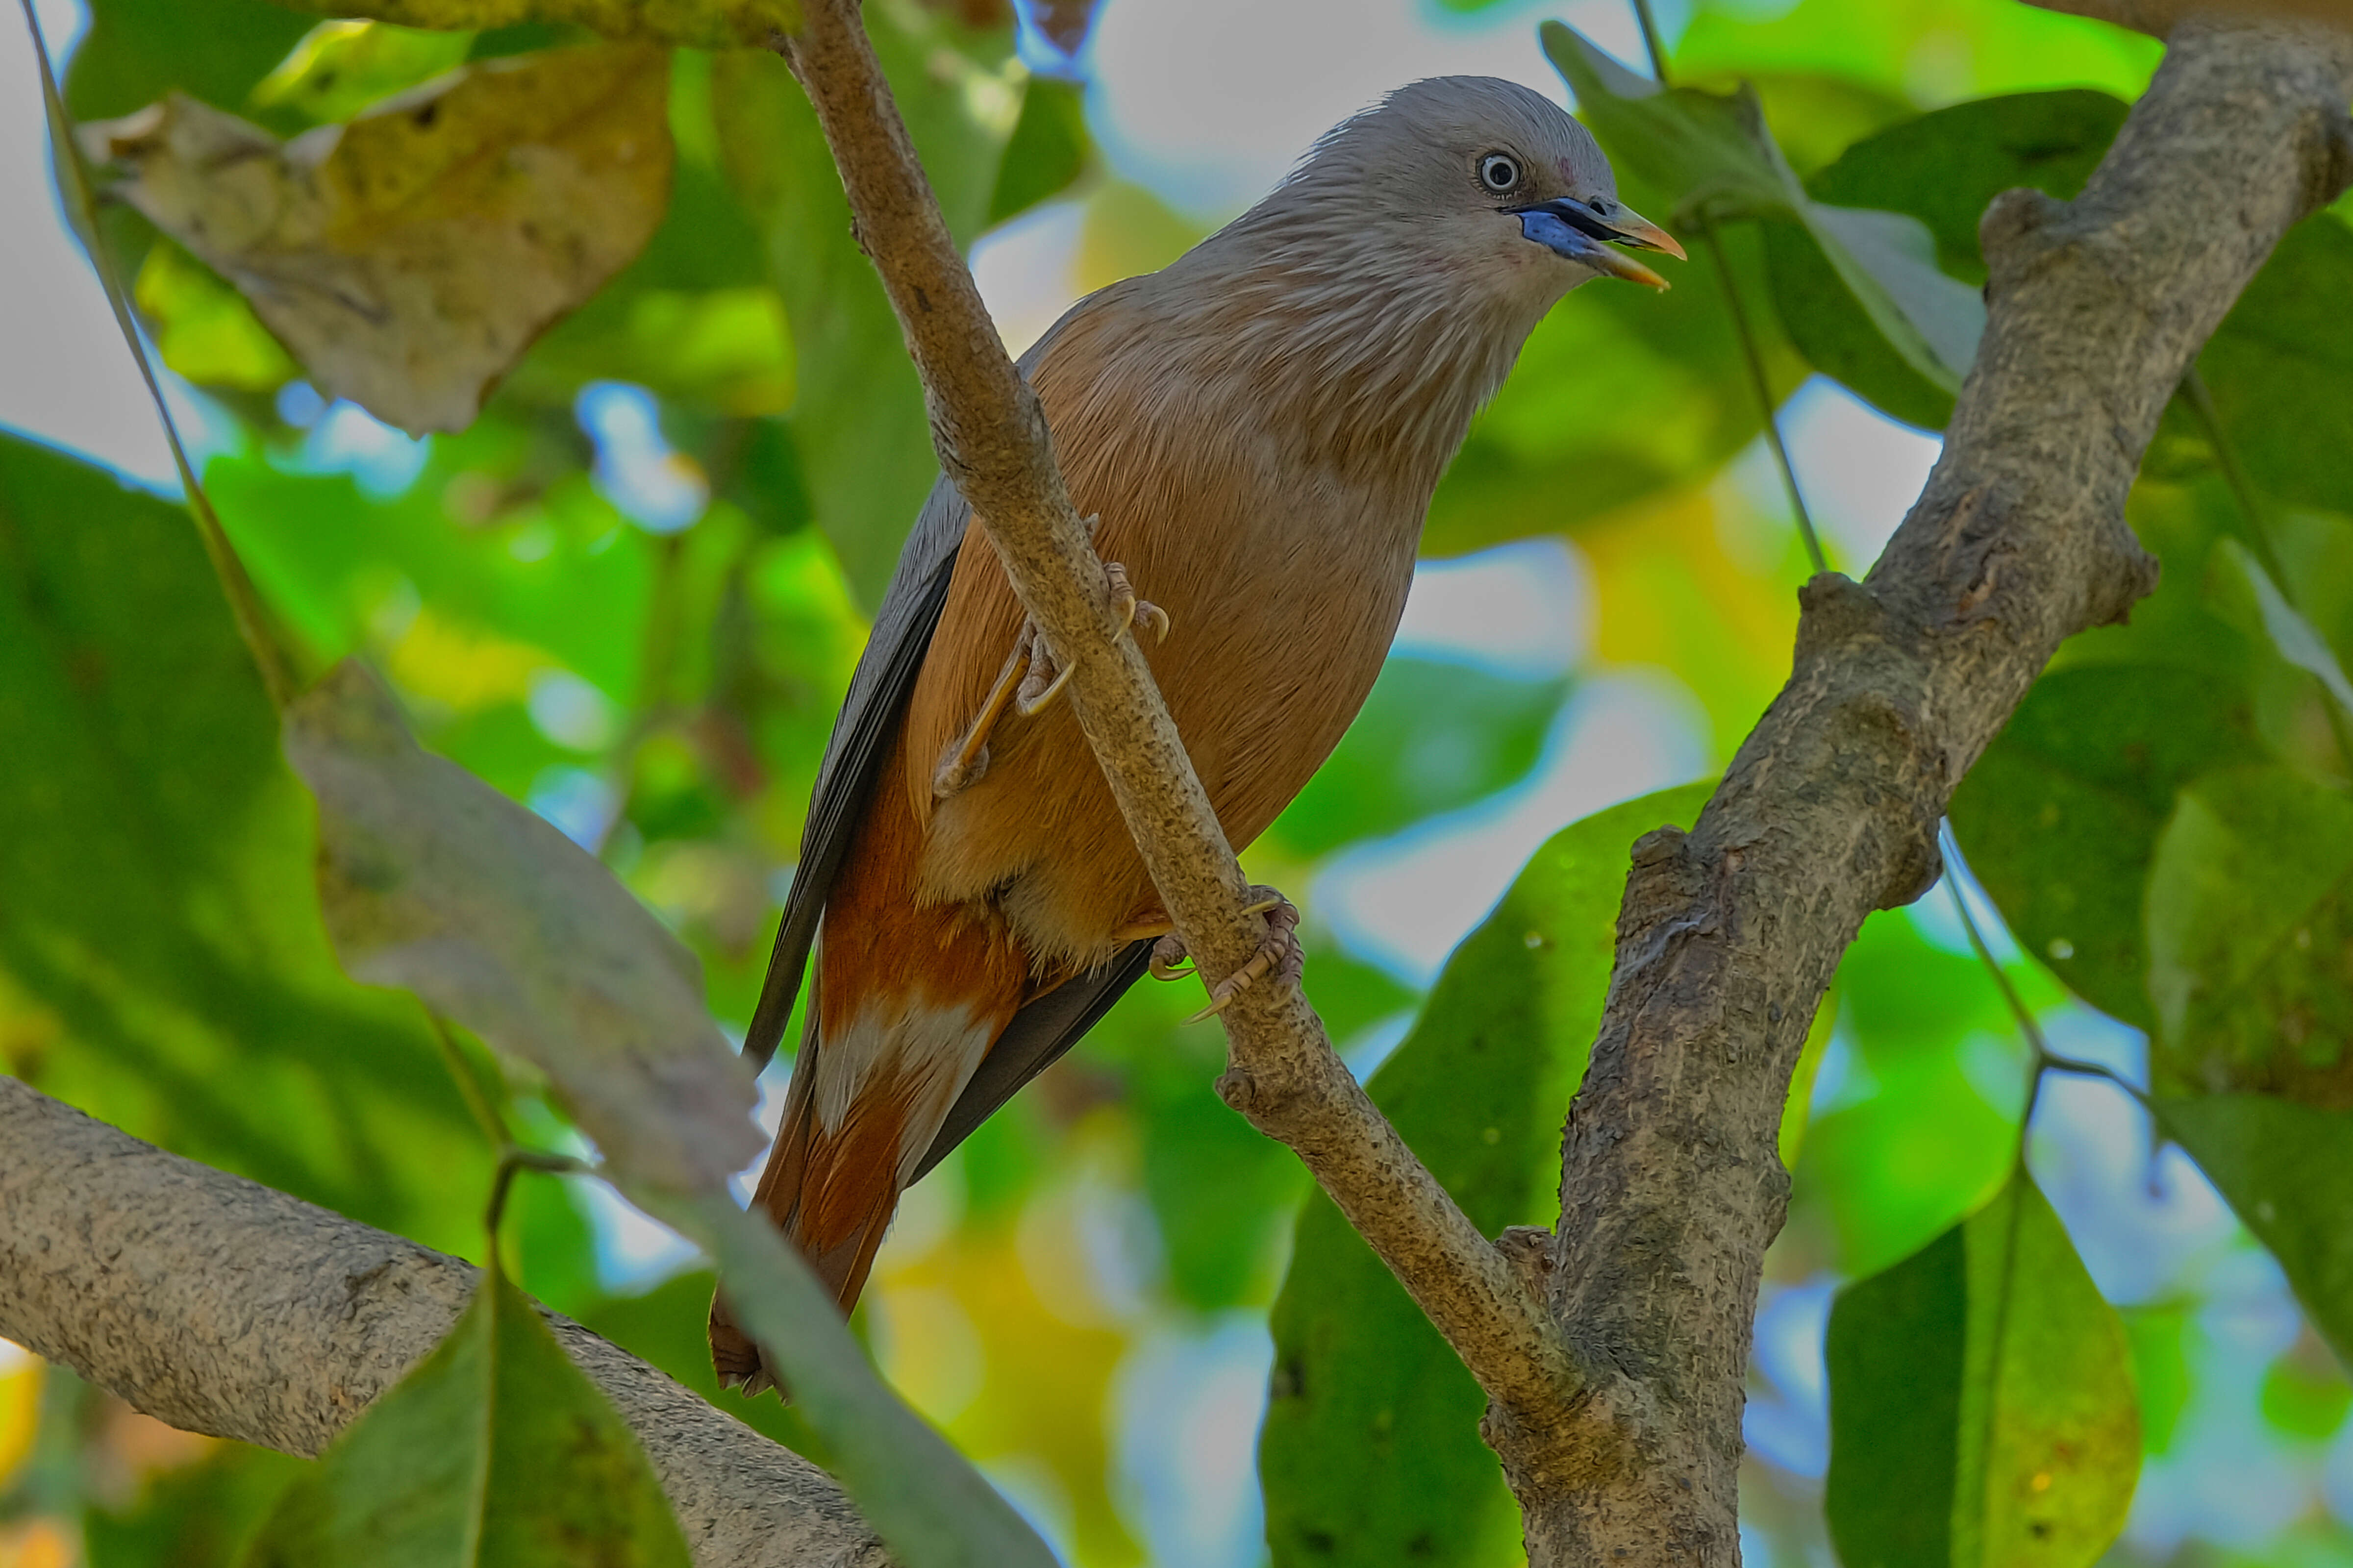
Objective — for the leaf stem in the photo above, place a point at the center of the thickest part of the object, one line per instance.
(511, 1161)
(76, 188)
(469, 1088)
(1758, 381)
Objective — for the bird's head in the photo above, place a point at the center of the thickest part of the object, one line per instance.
(1485, 178)
(1373, 301)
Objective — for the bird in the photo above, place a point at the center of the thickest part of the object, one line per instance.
(1254, 433)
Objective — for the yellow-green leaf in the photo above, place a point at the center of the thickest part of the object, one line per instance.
(697, 24)
(204, 329)
(343, 66)
(409, 257)
(1982, 1407)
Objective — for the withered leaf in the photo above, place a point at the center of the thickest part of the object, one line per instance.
(431, 879)
(407, 259)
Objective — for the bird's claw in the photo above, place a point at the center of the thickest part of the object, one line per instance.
(1133, 609)
(1046, 678)
(1280, 954)
(1032, 678)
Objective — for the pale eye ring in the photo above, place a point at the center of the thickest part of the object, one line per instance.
(1499, 172)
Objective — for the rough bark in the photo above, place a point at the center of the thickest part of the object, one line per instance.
(1671, 1187)
(219, 1306)
(991, 436)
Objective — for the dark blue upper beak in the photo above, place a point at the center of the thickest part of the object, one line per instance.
(1573, 230)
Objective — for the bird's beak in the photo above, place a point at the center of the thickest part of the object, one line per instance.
(1572, 229)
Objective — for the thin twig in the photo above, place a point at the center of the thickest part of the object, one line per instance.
(992, 439)
(79, 191)
(1758, 381)
(1951, 849)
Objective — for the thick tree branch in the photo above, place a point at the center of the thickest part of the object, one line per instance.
(992, 438)
(222, 1307)
(1671, 1189)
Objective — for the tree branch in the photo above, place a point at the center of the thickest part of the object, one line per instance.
(992, 438)
(1670, 1188)
(223, 1307)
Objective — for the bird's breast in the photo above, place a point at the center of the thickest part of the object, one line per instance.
(1284, 578)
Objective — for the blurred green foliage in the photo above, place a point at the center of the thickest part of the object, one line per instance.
(2163, 826)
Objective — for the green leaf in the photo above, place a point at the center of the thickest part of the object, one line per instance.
(137, 50)
(2289, 633)
(2250, 910)
(494, 1450)
(432, 880)
(162, 965)
(1714, 154)
(1911, 1141)
(1947, 166)
(202, 328)
(191, 1518)
(1942, 168)
(1370, 1453)
(1620, 394)
(1048, 151)
(2281, 368)
(1431, 737)
(859, 422)
(2060, 816)
(2286, 1171)
(1982, 1411)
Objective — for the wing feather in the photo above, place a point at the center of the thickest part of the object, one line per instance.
(854, 755)
(870, 715)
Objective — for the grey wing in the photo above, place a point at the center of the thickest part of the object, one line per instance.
(878, 695)
(885, 679)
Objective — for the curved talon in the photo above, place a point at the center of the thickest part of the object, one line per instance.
(1280, 952)
(1166, 954)
(1133, 608)
(1032, 658)
(1030, 706)
(1234, 985)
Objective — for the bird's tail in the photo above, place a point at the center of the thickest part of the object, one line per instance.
(894, 1043)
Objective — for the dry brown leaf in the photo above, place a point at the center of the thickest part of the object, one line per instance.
(409, 257)
(432, 880)
(2158, 17)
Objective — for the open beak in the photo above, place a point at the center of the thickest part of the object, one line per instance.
(1572, 229)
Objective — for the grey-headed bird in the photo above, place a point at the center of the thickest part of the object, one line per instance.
(1258, 427)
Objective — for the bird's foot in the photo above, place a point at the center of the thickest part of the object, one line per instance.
(1046, 680)
(1031, 680)
(960, 767)
(1280, 954)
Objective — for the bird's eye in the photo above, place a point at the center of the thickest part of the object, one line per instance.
(1499, 172)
